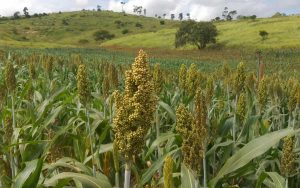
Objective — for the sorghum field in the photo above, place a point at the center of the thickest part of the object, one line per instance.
(69, 120)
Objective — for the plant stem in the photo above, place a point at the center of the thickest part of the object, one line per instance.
(204, 171)
(235, 121)
(91, 140)
(127, 175)
(14, 155)
(157, 136)
(117, 179)
(196, 183)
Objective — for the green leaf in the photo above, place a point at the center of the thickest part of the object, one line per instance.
(29, 177)
(154, 167)
(87, 181)
(187, 177)
(278, 180)
(168, 109)
(250, 151)
(157, 141)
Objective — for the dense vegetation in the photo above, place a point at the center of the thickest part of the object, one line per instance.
(62, 123)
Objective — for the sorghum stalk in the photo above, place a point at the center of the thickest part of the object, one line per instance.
(239, 83)
(11, 84)
(116, 165)
(84, 97)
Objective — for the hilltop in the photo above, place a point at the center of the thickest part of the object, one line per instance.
(76, 29)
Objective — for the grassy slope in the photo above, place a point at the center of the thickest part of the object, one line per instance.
(283, 32)
(50, 32)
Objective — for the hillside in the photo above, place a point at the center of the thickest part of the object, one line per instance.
(76, 29)
(283, 32)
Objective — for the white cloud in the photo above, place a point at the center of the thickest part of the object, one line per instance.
(82, 2)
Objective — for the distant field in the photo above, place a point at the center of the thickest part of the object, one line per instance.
(68, 29)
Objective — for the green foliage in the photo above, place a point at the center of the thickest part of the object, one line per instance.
(139, 25)
(103, 35)
(264, 34)
(83, 41)
(196, 33)
(125, 31)
(51, 133)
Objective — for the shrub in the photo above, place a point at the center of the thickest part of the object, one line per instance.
(162, 22)
(139, 25)
(65, 22)
(264, 34)
(103, 35)
(125, 31)
(83, 41)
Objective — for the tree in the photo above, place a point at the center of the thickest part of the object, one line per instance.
(188, 16)
(264, 34)
(98, 8)
(123, 3)
(225, 13)
(137, 9)
(196, 33)
(25, 11)
(231, 15)
(103, 35)
(180, 16)
(228, 15)
(253, 17)
(172, 16)
(164, 15)
(17, 15)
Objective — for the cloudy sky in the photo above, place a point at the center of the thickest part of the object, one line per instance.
(198, 9)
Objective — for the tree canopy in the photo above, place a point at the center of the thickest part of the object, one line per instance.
(196, 33)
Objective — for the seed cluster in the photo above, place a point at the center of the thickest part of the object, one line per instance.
(193, 131)
(288, 157)
(83, 85)
(135, 108)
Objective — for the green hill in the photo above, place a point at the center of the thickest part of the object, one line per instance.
(283, 32)
(76, 29)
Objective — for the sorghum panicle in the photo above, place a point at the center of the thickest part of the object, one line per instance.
(241, 108)
(192, 79)
(182, 77)
(10, 77)
(209, 90)
(288, 158)
(239, 81)
(168, 172)
(134, 110)
(292, 96)
(262, 94)
(83, 87)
